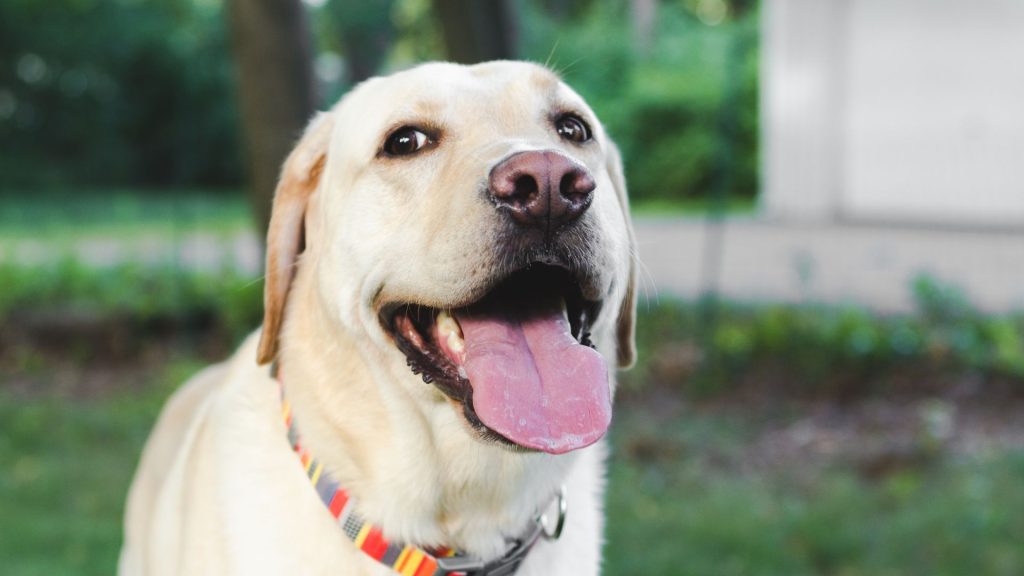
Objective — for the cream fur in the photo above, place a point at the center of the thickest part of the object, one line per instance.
(219, 490)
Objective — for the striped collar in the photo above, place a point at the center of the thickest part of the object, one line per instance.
(405, 559)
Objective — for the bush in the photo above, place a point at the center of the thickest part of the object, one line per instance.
(713, 347)
(132, 294)
(109, 92)
(684, 114)
(705, 347)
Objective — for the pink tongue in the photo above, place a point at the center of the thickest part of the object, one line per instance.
(533, 383)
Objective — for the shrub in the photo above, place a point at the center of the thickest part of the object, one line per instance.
(817, 349)
(707, 347)
(133, 294)
(684, 113)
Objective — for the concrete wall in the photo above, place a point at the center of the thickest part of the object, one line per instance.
(901, 110)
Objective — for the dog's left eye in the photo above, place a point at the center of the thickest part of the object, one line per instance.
(406, 140)
(573, 128)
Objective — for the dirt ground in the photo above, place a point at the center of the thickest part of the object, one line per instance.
(800, 438)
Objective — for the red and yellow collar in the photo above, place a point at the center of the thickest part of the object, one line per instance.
(406, 559)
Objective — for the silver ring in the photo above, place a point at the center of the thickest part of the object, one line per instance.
(563, 508)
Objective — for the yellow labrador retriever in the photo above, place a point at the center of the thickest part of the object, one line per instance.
(449, 289)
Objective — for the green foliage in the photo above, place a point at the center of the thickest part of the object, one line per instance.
(131, 293)
(826, 350)
(99, 92)
(72, 214)
(116, 91)
(705, 347)
(683, 112)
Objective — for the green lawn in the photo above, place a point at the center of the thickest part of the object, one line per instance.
(675, 511)
(671, 509)
(60, 214)
(67, 465)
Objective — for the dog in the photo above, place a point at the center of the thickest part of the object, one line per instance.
(450, 286)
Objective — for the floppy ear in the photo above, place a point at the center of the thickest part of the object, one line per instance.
(625, 327)
(300, 177)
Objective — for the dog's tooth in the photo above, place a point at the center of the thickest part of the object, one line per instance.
(447, 325)
(456, 343)
(450, 330)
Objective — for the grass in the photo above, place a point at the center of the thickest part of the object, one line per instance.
(67, 465)
(72, 214)
(678, 513)
(675, 520)
(671, 510)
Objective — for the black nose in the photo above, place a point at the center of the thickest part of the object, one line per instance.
(542, 189)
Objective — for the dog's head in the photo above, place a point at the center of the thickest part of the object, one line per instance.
(472, 224)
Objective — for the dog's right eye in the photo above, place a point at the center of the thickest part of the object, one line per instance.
(405, 141)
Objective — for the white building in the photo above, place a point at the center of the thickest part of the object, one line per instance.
(899, 111)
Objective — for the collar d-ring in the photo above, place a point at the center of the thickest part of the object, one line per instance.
(549, 531)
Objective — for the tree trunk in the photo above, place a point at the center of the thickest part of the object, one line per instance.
(366, 34)
(477, 31)
(271, 44)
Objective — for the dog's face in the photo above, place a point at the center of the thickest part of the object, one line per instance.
(470, 225)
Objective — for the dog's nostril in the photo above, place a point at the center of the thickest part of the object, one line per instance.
(525, 186)
(575, 184)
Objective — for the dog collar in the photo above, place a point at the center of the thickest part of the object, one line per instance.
(406, 559)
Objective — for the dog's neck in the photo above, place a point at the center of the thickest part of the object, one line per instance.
(400, 448)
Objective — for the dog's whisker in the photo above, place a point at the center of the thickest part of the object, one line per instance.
(253, 282)
(551, 54)
(565, 70)
(646, 279)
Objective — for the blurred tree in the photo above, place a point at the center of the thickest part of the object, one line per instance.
(142, 93)
(476, 31)
(271, 43)
(740, 8)
(365, 32)
(564, 10)
(108, 92)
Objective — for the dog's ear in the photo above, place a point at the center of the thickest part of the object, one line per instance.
(300, 177)
(625, 328)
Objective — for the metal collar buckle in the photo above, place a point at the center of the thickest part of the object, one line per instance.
(509, 563)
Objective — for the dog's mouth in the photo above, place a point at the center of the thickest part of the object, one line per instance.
(519, 361)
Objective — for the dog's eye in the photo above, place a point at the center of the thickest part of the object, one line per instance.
(406, 140)
(573, 128)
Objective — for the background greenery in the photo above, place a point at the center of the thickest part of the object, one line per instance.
(128, 93)
(713, 379)
(116, 92)
(751, 438)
